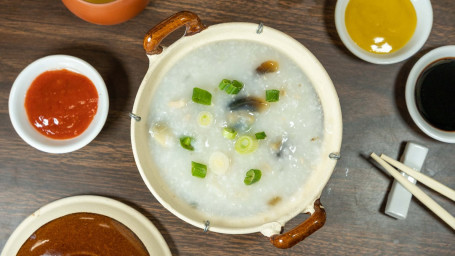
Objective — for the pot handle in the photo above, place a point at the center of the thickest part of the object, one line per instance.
(155, 35)
(297, 234)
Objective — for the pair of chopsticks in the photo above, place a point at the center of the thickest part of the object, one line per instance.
(386, 162)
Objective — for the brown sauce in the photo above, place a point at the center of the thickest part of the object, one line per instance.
(83, 234)
(435, 94)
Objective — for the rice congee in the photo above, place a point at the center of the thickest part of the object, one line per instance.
(235, 128)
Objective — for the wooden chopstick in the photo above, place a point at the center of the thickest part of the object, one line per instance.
(418, 193)
(429, 182)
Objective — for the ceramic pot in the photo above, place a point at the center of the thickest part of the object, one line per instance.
(197, 35)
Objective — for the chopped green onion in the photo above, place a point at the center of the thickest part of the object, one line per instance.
(245, 145)
(252, 176)
(272, 95)
(260, 135)
(224, 83)
(234, 87)
(229, 133)
(198, 170)
(186, 143)
(201, 96)
(230, 87)
(205, 119)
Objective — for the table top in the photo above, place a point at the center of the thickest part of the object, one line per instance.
(375, 119)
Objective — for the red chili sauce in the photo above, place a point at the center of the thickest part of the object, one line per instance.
(83, 234)
(61, 104)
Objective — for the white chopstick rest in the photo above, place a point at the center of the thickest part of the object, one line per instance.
(399, 198)
(422, 178)
(417, 192)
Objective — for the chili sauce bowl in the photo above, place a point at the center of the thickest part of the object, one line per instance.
(422, 65)
(424, 16)
(18, 113)
(136, 222)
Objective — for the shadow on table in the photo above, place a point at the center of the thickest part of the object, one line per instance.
(329, 23)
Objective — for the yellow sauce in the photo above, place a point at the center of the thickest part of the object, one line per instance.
(380, 26)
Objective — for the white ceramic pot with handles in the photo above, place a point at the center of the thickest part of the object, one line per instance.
(197, 35)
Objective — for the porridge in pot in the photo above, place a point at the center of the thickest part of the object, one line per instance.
(236, 128)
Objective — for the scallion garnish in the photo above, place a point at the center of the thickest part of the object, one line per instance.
(224, 83)
(234, 87)
(205, 119)
(201, 96)
(230, 87)
(186, 143)
(272, 95)
(229, 133)
(252, 176)
(198, 170)
(245, 145)
(260, 135)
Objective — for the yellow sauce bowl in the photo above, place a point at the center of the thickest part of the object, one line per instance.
(105, 12)
(375, 32)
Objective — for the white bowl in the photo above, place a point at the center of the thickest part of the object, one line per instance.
(421, 64)
(424, 13)
(18, 113)
(135, 221)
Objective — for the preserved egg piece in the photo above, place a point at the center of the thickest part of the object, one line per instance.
(241, 121)
(162, 134)
(249, 103)
(278, 147)
(269, 66)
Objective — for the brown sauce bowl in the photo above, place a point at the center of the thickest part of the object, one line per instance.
(129, 217)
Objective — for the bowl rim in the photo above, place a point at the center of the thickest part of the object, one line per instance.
(236, 31)
(432, 56)
(18, 115)
(424, 12)
(128, 216)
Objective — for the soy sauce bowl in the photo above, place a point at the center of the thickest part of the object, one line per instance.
(431, 57)
(424, 12)
(18, 114)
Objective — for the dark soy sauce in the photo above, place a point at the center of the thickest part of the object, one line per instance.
(435, 94)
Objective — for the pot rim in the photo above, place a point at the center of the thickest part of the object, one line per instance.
(288, 46)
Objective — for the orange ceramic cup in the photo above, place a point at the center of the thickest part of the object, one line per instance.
(105, 12)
